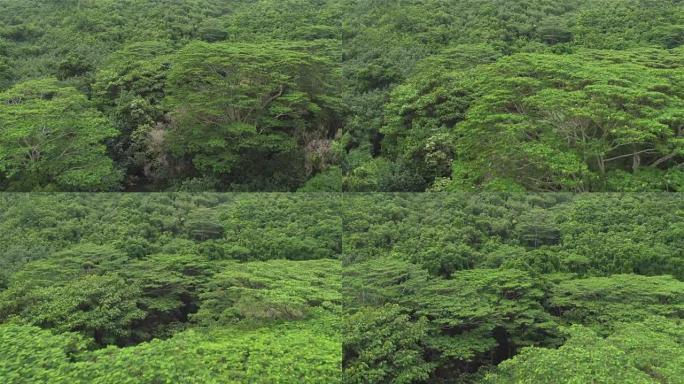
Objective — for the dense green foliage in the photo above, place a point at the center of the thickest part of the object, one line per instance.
(196, 288)
(196, 95)
(649, 352)
(513, 288)
(433, 288)
(324, 95)
(190, 97)
(537, 95)
(52, 139)
(239, 110)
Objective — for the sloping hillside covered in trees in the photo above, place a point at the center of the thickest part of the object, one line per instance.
(181, 288)
(504, 289)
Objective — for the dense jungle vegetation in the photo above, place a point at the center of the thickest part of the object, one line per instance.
(330, 95)
(150, 95)
(514, 95)
(170, 288)
(483, 100)
(513, 288)
(433, 288)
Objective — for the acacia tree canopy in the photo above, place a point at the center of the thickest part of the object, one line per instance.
(231, 103)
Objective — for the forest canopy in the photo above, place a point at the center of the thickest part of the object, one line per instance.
(357, 288)
(360, 96)
(500, 115)
(522, 95)
(204, 95)
(149, 288)
(511, 288)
